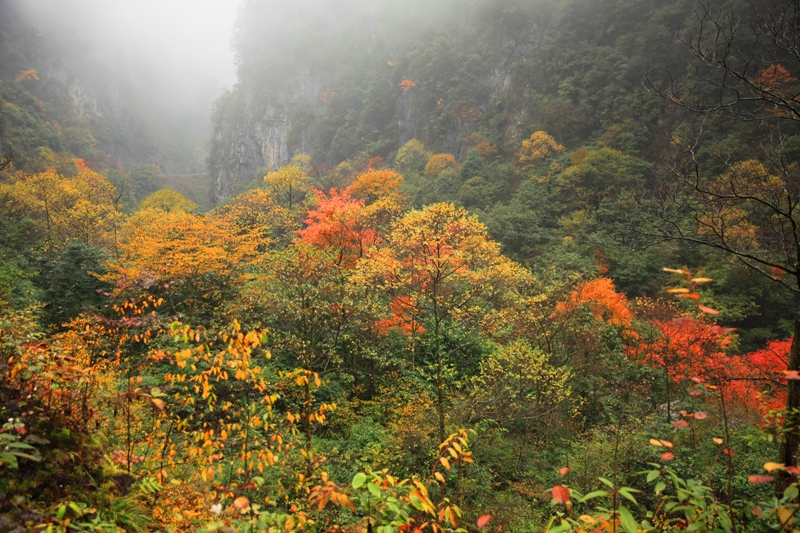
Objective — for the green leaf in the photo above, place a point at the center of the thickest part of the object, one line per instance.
(417, 503)
(374, 490)
(790, 493)
(606, 482)
(592, 495)
(660, 486)
(627, 520)
(9, 459)
(20, 445)
(27, 456)
(625, 492)
(358, 480)
(652, 474)
(562, 526)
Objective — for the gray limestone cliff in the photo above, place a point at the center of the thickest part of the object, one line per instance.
(276, 112)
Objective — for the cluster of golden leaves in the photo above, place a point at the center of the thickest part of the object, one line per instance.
(80, 207)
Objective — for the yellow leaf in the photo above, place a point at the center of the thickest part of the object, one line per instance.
(439, 477)
(678, 291)
(445, 462)
(769, 467)
(701, 280)
(785, 516)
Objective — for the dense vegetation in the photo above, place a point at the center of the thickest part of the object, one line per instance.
(565, 305)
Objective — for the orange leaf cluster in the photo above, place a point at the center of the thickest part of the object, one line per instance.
(23, 75)
(775, 78)
(601, 297)
(690, 349)
(406, 85)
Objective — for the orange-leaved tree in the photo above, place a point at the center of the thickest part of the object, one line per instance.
(348, 222)
(338, 224)
(574, 324)
(538, 147)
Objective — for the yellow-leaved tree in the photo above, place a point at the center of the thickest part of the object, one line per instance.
(443, 274)
(289, 186)
(195, 262)
(168, 200)
(81, 207)
(538, 147)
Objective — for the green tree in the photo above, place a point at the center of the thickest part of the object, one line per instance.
(412, 157)
(68, 283)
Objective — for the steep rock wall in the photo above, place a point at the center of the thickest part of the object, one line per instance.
(255, 130)
(251, 135)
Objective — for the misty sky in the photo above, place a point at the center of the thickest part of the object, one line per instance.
(184, 44)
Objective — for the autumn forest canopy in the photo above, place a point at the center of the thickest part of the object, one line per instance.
(426, 267)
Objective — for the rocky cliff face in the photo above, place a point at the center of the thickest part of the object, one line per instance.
(245, 144)
(251, 135)
(253, 132)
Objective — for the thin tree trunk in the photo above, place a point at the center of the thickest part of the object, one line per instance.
(307, 427)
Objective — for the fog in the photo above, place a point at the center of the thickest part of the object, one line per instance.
(177, 53)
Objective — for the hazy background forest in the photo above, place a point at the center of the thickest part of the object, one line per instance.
(512, 265)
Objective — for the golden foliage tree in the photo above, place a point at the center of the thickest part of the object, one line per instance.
(440, 268)
(438, 163)
(82, 207)
(520, 390)
(538, 147)
(168, 200)
(289, 185)
(258, 212)
(195, 260)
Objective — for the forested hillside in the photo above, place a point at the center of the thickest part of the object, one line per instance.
(63, 99)
(485, 265)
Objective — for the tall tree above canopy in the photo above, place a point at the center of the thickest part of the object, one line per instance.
(257, 211)
(440, 269)
(289, 185)
(168, 200)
